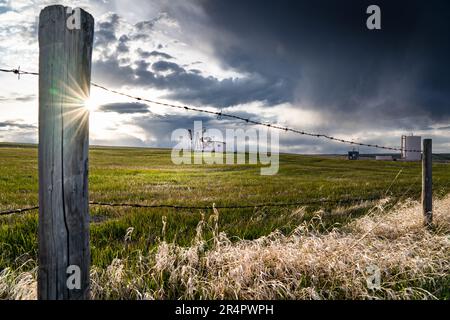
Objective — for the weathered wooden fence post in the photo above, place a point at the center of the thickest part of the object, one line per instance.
(427, 189)
(65, 50)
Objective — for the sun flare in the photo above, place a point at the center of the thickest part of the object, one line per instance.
(90, 104)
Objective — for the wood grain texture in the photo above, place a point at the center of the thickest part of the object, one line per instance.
(64, 83)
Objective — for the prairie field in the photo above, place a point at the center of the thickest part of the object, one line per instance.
(336, 218)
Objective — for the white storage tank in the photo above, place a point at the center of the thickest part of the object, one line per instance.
(384, 158)
(411, 148)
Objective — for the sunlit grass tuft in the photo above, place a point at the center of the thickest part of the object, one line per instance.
(307, 264)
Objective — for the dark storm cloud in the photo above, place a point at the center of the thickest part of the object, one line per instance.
(326, 58)
(158, 54)
(162, 66)
(122, 47)
(145, 25)
(18, 125)
(144, 28)
(110, 23)
(105, 32)
(125, 107)
(190, 86)
(24, 98)
(4, 7)
(317, 55)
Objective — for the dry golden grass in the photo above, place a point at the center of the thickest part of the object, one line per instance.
(18, 285)
(414, 263)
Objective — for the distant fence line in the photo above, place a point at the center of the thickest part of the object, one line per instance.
(178, 207)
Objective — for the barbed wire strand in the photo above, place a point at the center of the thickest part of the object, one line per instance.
(19, 72)
(221, 114)
(7, 212)
(181, 207)
(260, 205)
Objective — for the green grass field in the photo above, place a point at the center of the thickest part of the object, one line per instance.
(148, 176)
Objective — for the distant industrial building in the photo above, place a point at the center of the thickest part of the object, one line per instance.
(205, 144)
(353, 155)
(214, 146)
(411, 148)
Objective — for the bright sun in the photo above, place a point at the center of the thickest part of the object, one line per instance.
(91, 104)
(98, 98)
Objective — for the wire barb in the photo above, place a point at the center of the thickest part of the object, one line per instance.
(19, 72)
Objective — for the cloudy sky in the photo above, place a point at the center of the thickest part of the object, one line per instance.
(311, 65)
